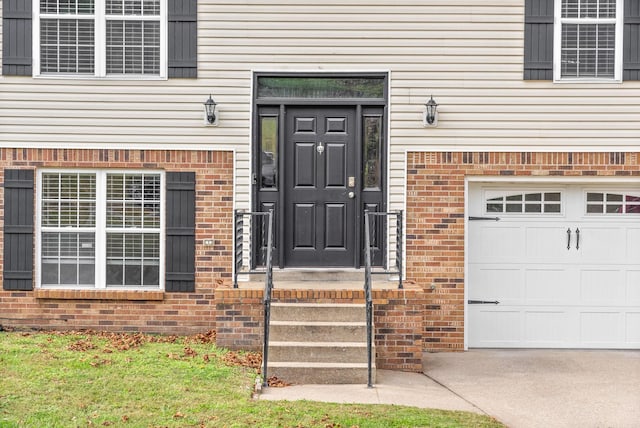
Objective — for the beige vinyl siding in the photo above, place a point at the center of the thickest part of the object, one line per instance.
(467, 53)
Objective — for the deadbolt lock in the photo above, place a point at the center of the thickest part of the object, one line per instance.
(352, 182)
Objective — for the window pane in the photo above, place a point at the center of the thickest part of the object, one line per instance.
(494, 208)
(552, 208)
(588, 50)
(67, 46)
(127, 253)
(68, 258)
(133, 47)
(372, 135)
(68, 200)
(320, 87)
(133, 200)
(67, 6)
(555, 196)
(269, 152)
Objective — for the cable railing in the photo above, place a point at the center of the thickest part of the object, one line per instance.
(374, 233)
(259, 224)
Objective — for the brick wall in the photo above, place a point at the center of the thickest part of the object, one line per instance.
(175, 313)
(397, 320)
(435, 220)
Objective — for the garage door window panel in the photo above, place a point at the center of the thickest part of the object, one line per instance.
(524, 203)
(612, 203)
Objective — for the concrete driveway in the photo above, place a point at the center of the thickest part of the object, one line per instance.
(545, 388)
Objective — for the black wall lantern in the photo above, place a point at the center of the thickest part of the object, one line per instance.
(210, 111)
(431, 113)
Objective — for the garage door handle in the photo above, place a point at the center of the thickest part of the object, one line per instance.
(577, 238)
(472, 218)
(482, 302)
(568, 239)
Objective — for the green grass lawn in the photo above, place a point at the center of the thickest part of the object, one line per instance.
(84, 379)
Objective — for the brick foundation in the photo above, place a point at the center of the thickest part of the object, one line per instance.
(158, 312)
(435, 220)
(397, 319)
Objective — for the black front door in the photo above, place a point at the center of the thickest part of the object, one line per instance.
(320, 190)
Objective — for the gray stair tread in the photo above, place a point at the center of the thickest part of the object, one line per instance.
(320, 344)
(317, 365)
(321, 323)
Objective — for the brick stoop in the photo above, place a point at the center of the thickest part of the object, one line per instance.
(318, 343)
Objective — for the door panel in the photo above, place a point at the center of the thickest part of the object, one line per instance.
(305, 165)
(320, 217)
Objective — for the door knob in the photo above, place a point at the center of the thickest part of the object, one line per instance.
(352, 195)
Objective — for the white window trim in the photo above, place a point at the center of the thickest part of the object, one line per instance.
(100, 44)
(100, 230)
(557, 44)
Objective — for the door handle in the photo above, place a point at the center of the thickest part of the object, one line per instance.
(568, 239)
(351, 195)
(577, 238)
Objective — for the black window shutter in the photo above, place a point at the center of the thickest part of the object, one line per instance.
(16, 37)
(180, 232)
(538, 40)
(18, 229)
(631, 41)
(183, 38)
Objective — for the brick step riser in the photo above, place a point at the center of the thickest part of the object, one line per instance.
(329, 375)
(315, 333)
(319, 354)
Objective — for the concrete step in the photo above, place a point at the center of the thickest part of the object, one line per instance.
(317, 331)
(320, 373)
(318, 312)
(327, 352)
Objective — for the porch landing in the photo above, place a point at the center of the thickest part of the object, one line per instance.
(318, 279)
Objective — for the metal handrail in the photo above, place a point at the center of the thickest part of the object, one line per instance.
(368, 298)
(238, 253)
(268, 286)
(368, 277)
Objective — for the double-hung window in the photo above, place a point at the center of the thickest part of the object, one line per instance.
(588, 40)
(100, 38)
(100, 229)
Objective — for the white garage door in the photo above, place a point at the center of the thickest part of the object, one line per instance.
(562, 263)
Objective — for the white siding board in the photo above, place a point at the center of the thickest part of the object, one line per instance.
(467, 53)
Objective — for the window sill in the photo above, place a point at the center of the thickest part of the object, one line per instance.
(41, 293)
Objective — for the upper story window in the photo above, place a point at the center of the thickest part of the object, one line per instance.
(588, 40)
(100, 38)
(581, 40)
